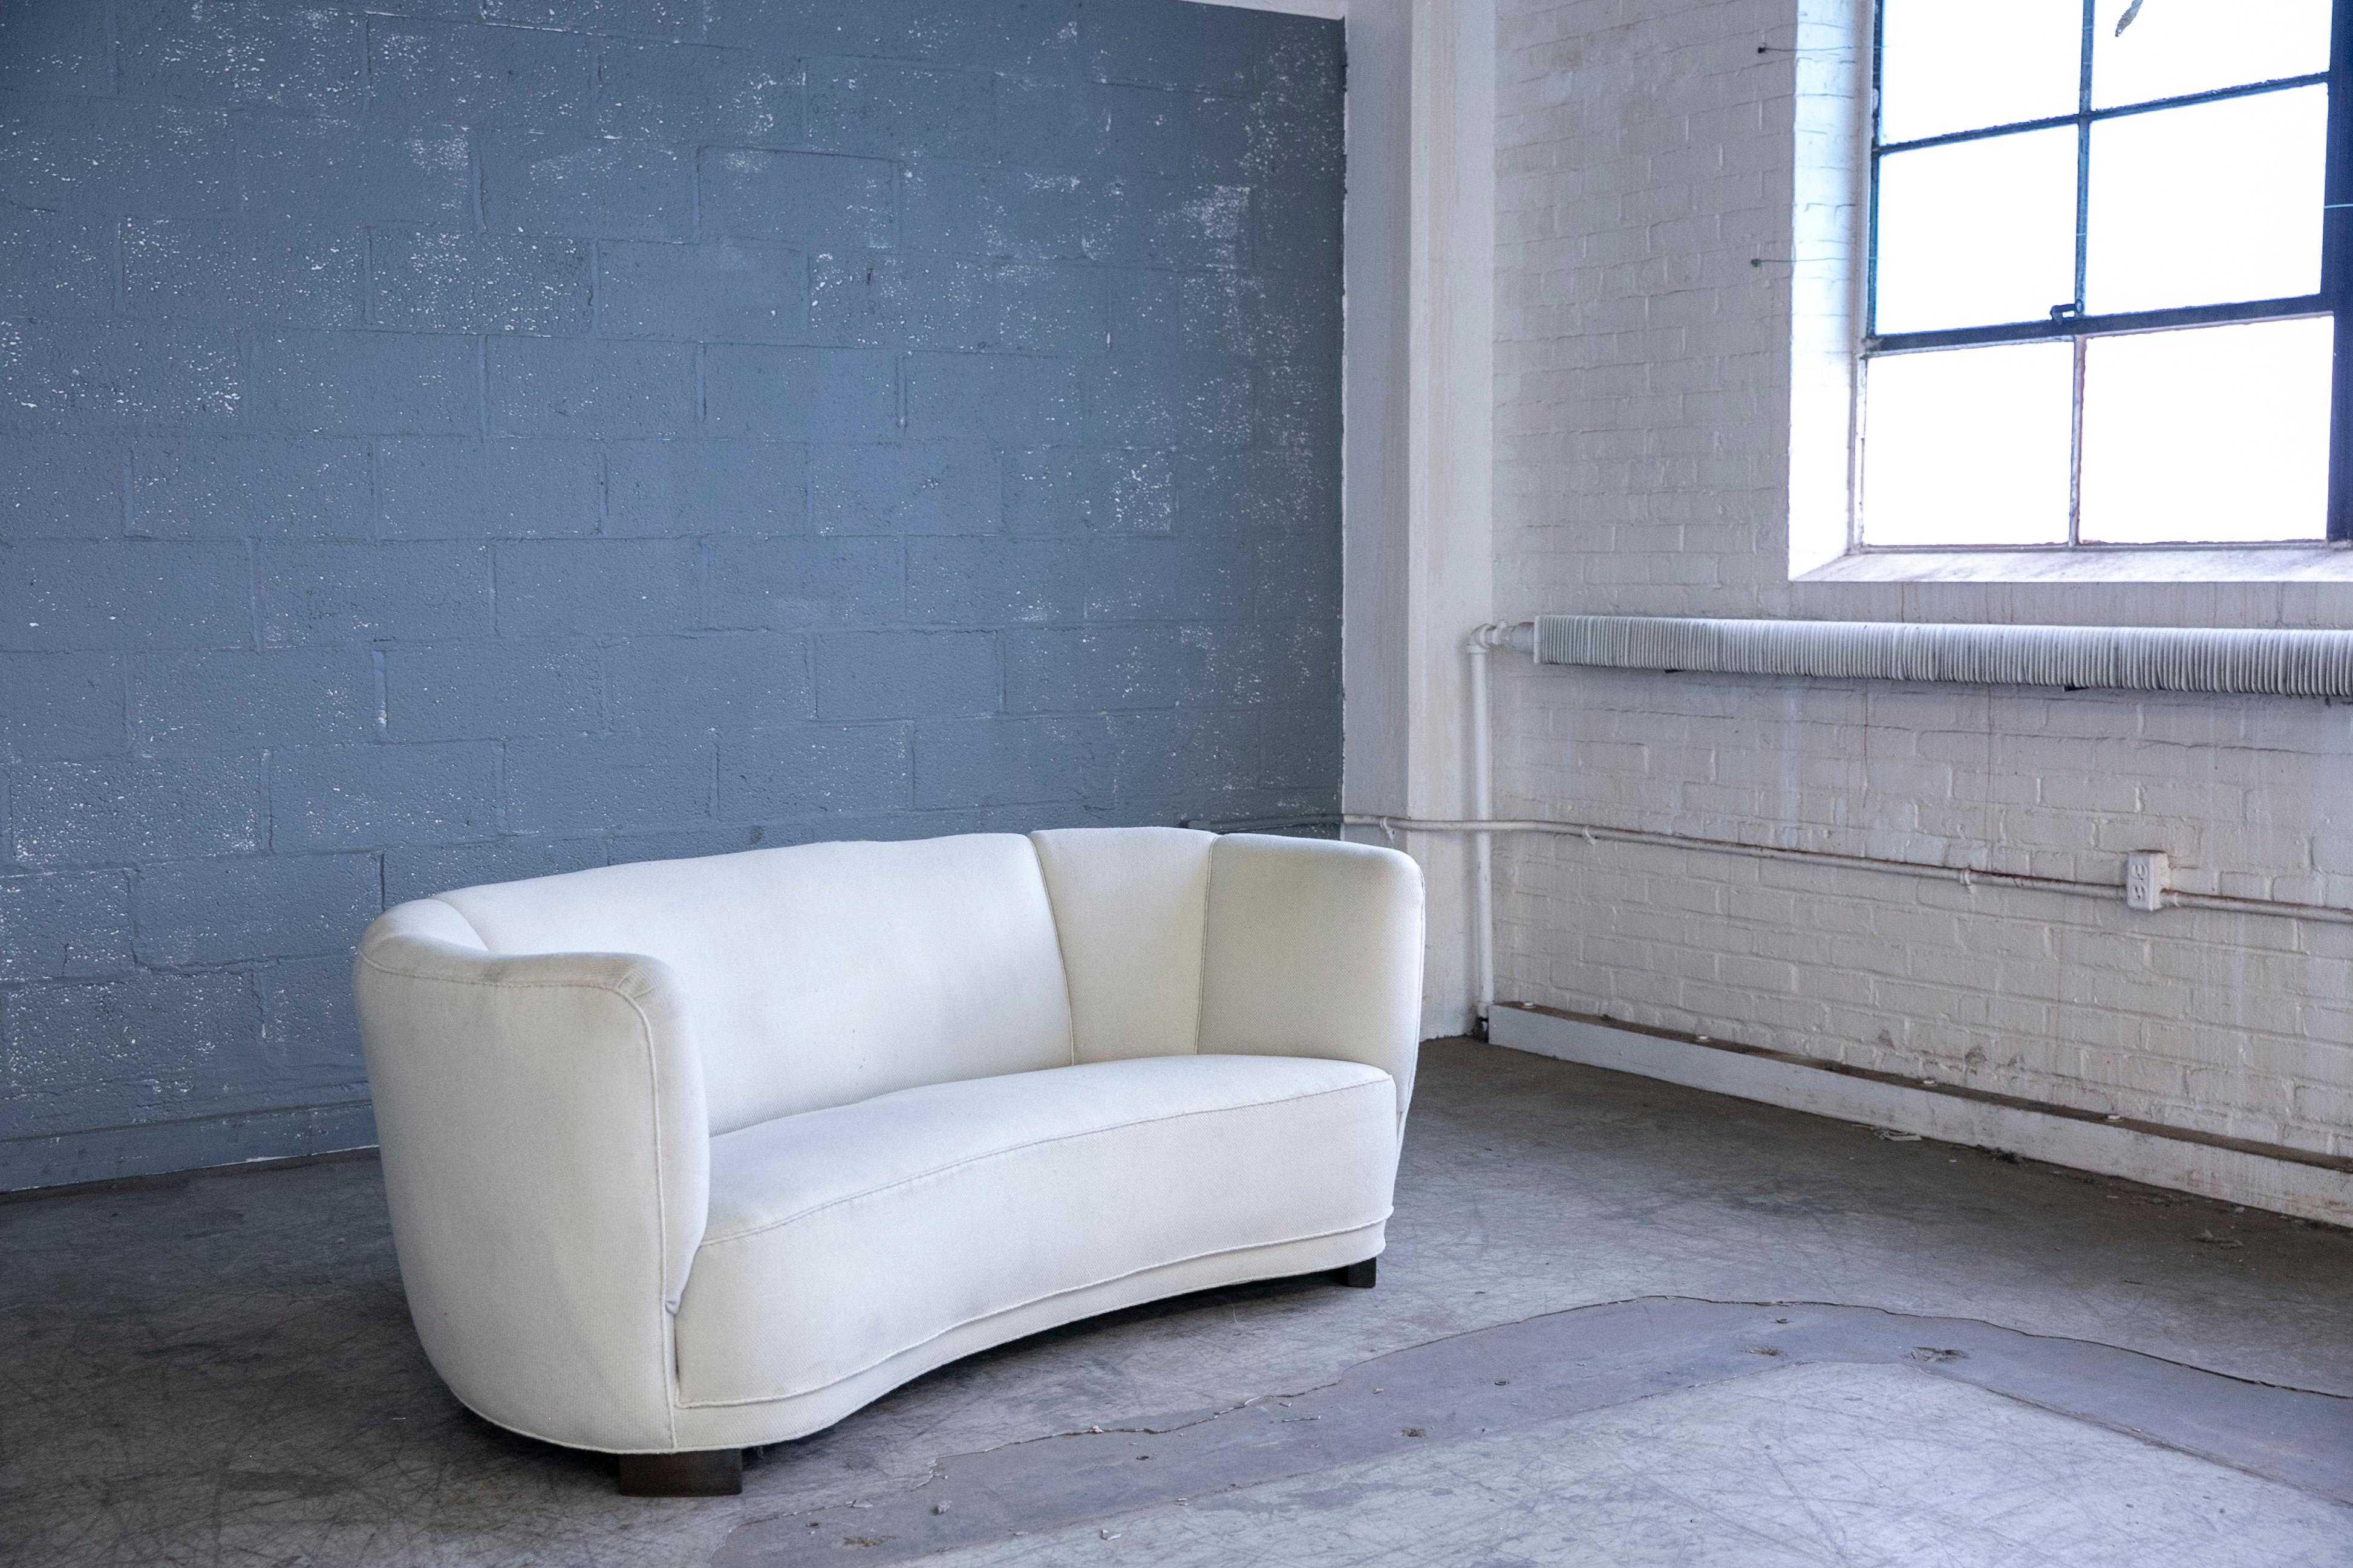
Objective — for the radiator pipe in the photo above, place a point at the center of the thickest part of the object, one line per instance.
(1478, 645)
(1594, 833)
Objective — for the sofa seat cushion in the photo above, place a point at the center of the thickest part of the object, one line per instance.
(838, 1238)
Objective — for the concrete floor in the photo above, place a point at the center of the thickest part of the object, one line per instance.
(2056, 1369)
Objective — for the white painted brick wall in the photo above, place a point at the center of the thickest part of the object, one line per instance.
(1645, 157)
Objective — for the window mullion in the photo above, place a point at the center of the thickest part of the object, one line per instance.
(2082, 253)
(2337, 268)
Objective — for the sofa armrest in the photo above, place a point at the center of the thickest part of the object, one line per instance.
(1313, 949)
(547, 1159)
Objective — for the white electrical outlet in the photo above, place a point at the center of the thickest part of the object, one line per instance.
(2146, 876)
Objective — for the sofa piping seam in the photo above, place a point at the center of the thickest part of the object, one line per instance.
(1382, 1219)
(1029, 1143)
(617, 990)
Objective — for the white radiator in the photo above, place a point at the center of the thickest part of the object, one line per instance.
(2128, 658)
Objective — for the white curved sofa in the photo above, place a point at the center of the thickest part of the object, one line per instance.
(694, 1155)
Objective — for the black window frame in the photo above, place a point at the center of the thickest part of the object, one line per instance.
(2068, 322)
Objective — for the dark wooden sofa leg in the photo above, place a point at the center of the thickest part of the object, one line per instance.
(1359, 1276)
(711, 1472)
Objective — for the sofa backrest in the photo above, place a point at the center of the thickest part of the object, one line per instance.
(1131, 905)
(824, 973)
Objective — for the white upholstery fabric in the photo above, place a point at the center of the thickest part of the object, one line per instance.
(841, 1237)
(907, 1164)
(823, 973)
(1313, 949)
(548, 1164)
(1129, 903)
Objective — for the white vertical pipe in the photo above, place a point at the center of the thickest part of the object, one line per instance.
(1493, 635)
(1483, 844)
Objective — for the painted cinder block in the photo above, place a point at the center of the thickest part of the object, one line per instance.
(135, 809)
(1184, 404)
(675, 487)
(1165, 755)
(234, 487)
(1021, 214)
(370, 593)
(434, 282)
(614, 782)
(367, 384)
(864, 299)
(446, 486)
(556, 387)
(904, 675)
(80, 375)
(1161, 220)
(1169, 579)
(309, 1025)
(60, 487)
(56, 705)
(812, 198)
(810, 770)
(476, 690)
(1085, 669)
(734, 680)
(675, 19)
(466, 74)
(1175, 47)
(984, 582)
(1006, 761)
(1047, 309)
(421, 871)
(241, 54)
(597, 587)
(55, 264)
(55, 49)
(357, 797)
(65, 925)
(124, 593)
(883, 108)
(729, 290)
(116, 155)
(818, 394)
(1009, 399)
(233, 701)
(740, 98)
(1299, 748)
(140, 1048)
(536, 182)
(320, 171)
(263, 906)
(926, 487)
(1072, 491)
(785, 583)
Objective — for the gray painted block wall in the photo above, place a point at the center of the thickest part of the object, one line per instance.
(452, 440)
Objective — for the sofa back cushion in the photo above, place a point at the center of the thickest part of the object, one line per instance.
(823, 973)
(1130, 903)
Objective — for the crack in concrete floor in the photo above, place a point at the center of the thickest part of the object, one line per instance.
(1534, 1372)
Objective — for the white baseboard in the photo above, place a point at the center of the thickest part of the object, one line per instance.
(2313, 1187)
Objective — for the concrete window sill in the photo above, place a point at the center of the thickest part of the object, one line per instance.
(2243, 563)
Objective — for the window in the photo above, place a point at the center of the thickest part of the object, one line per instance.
(2108, 240)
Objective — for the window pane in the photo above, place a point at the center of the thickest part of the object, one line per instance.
(1947, 67)
(2213, 433)
(2176, 47)
(1977, 233)
(1969, 446)
(2208, 206)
